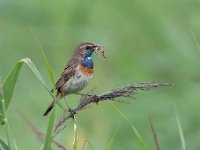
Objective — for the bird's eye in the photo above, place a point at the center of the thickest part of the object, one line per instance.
(87, 47)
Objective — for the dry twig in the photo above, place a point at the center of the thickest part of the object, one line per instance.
(125, 91)
(155, 138)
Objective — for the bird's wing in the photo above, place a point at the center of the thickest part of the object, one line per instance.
(69, 71)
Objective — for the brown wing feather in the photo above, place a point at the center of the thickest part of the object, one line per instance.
(69, 71)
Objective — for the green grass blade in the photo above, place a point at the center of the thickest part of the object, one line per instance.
(48, 67)
(195, 38)
(4, 119)
(41, 147)
(1, 105)
(108, 145)
(84, 144)
(135, 131)
(4, 122)
(90, 144)
(15, 145)
(8, 88)
(10, 82)
(180, 128)
(33, 68)
(3, 146)
(75, 136)
(49, 132)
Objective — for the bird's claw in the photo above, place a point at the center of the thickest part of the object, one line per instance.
(72, 112)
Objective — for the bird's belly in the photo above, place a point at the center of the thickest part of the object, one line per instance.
(76, 83)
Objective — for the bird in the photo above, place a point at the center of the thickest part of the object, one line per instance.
(77, 73)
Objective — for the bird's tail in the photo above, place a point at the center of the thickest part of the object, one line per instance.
(49, 108)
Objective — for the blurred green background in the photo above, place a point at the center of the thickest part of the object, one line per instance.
(145, 40)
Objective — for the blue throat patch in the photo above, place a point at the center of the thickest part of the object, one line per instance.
(88, 62)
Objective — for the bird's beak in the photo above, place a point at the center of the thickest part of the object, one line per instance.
(98, 47)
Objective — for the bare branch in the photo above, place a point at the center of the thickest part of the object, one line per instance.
(125, 91)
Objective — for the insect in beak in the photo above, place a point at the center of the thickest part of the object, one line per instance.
(100, 48)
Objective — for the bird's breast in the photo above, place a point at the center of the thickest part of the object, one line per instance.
(85, 70)
(79, 81)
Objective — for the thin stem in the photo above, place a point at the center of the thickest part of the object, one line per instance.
(8, 133)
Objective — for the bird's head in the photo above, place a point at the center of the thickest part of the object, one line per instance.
(86, 49)
(84, 53)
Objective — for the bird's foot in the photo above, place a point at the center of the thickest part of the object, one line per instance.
(72, 112)
(96, 99)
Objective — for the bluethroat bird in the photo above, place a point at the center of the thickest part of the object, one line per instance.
(77, 73)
